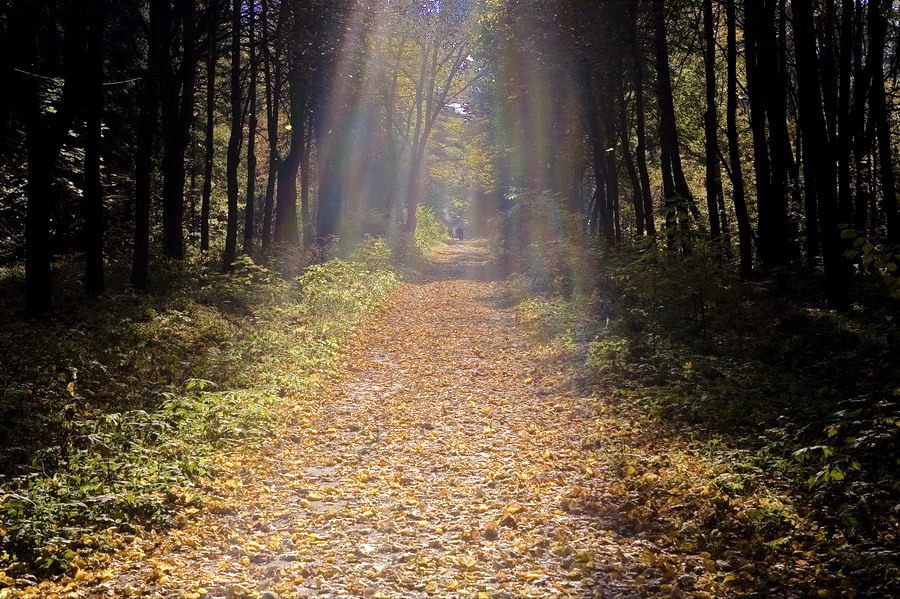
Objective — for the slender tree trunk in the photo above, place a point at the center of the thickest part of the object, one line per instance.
(773, 223)
(745, 230)
(272, 80)
(862, 145)
(818, 150)
(844, 117)
(40, 157)
(614, 225)
(210, 128)
(305, 180)
(234, 141)
(599, 218)
(677, 195)
(172, 161)
(711, 122)
(640, 123)
(93, 196)
(628, 158)
(756, 80)
(878, 107)
(140, 267)
(250, 206)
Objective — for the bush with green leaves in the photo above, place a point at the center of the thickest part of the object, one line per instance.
(431, 231)
(131, 410)
(807, 395)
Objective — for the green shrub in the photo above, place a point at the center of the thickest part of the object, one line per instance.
(431, 231)
(133, 459)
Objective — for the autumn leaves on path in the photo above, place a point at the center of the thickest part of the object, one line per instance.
(445, 461)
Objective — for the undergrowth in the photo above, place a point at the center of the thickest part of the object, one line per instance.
(111, 414)
(751, 429)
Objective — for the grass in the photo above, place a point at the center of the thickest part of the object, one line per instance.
(114, 411)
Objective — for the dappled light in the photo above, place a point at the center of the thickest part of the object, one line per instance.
(487, 299)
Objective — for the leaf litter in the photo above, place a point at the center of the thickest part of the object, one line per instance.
(446, 459)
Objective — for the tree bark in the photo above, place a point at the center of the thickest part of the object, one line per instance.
(250, 204)
(711, 124)
(745, 229)
(234, 140)
(678, 199)
(286, 203)
(93, 193)
(273, 85)
(212, 56)
(878, 107)
(140, 267)
(640, 123)
(818, 150)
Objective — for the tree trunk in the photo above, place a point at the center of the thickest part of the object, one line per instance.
(818, 150)
(234, 140)
(878, 107)
(773, 225)
(40, 156)
(140, 267)
(210, 128)
(677, 195)
(844, 116)
(272, 81)
(305, 179)
(93, 192)
(286, 202)
(745, 230)
(640, 123)
(250, 205)
(711, 123)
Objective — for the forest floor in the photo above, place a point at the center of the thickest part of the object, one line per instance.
(454, 455)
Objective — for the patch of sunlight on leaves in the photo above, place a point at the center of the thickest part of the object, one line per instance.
(262, 340)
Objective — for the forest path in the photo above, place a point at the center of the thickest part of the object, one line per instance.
(447, 460)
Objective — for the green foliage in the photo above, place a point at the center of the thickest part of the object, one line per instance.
(124, 443)
(781, 396)
(546, 246)
(431, 231)
(870, 256)
(374, 252)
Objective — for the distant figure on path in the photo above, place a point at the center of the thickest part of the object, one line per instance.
(459, 233)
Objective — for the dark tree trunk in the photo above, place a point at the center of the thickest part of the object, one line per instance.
(711, 124)
(754, 13)
(93, 192)
(745, 230)
(844, 116)
(773, 223)
(628, 158)
(614, 232)
(818, 150)
(640, 123)
(172, 203)
(250, 205)
(677, 195)
(862, 146)
(41, 158)
(305, 179)
(599, 218)
(210, 128)
(140, 267)
(878, 107)
(272, 80)
(286, 203)
(234, 140)
(45, 135)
